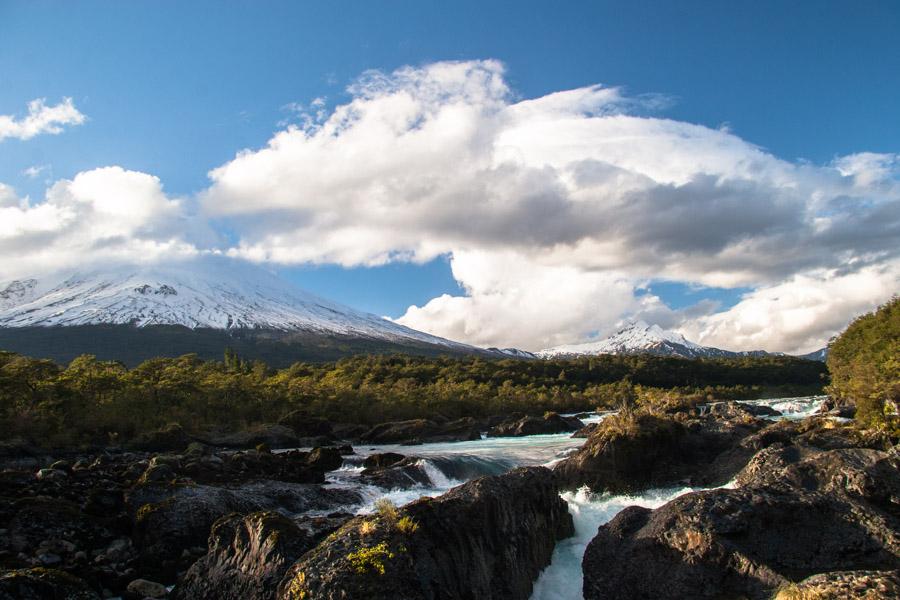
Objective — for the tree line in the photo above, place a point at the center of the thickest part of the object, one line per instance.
(90, 401)
(864, 362)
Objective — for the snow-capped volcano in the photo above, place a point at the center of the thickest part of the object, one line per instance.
(210, 292)
(639, 338)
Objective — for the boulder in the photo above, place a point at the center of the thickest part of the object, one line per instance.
(838, 407)
(844, 585)
(382, 460)
(43, 584)
(629, 452)
(400, 431)
(488, 538)
(348, 431)
(548, 424)
(144, 588)
(405, 473)
(304, 425)
(737, 410)
(416, 431)
(247, 558)
(170, 518)
(325, 459)
(804, 513)
(270, 434)
(52, 475)
(171, 438)
(760, 410)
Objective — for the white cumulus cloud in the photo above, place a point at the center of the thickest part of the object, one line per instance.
(101, 216)
(34, 171)
(556, 209)
(41, 119)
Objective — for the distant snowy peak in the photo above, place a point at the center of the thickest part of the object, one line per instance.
(212, 292)
(513, 352)
(639, 338)
(820, 355)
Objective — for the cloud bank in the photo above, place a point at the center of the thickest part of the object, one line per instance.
(102, 216)
(556, 212)
(555, 209)
(41, 119)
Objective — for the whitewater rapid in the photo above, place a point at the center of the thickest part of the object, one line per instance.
(450, 464)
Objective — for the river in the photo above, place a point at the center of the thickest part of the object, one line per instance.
(450, 464)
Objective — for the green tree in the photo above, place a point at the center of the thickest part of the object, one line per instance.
(864, 362)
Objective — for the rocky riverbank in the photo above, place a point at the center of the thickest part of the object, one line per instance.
(811, 505)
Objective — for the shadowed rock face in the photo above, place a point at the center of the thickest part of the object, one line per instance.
(423, 430)
(549, 423)
(43, 584)
(633, 452)
(800, 511)
(248, 556)
(486, 539)
(170, 518)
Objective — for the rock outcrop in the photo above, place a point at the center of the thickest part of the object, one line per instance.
(630, 452)
(247, 558)
(43, 584)
(549, 423)
(486, 539)
(800, 512)
(844, 585)
(416, 431)
(171, 438)
(168, 519)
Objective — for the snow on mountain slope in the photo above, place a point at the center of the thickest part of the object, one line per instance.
(513, 353)
(210, 292)
(638, 338)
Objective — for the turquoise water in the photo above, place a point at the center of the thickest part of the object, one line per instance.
(450, 464)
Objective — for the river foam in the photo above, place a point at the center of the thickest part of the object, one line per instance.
(450, 464)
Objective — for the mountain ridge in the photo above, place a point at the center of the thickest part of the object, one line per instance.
(203, 306)
(640, 338)
(210, 293)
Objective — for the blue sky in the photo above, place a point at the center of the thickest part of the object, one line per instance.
(175, 89)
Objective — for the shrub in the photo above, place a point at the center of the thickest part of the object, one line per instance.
(407, 526)
(367, 527)
(387, 510)
(370, 559)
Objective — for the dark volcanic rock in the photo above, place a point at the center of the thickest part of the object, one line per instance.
(845, 585)
(247, 558)
(486, 539)
(586, 431)
(43, 584)
(304, 425)
(400, 431)
(348, 431)
(171, 438)
(293, 466)
(422, 430)
(631, 452)
(402, 474)
(382, 460)
(549, 423)
(838, 407)
(272, 435)
(760, 410)
(170, 518)
(325, 459)
(800, 513)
